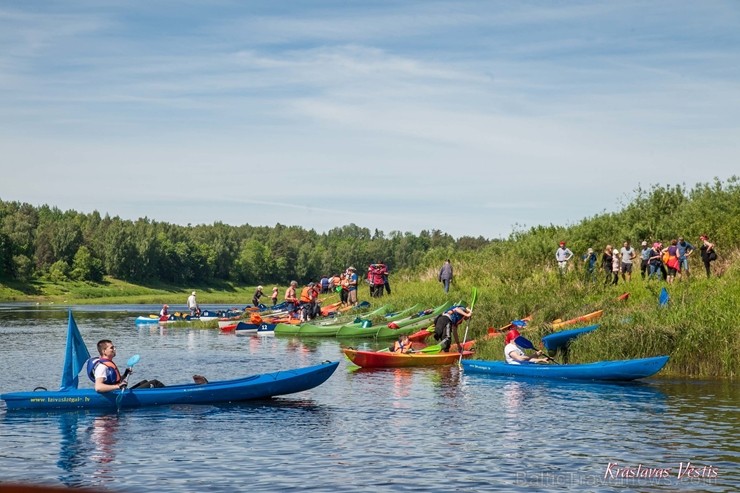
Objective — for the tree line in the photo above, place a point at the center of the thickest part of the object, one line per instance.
(60, 245)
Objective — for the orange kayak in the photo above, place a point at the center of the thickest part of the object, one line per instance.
(382, 359)
(590, 317)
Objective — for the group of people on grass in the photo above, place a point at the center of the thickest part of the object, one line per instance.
(656, 261)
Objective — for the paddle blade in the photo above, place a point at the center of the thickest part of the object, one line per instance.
(133, 360)
(473, 298)
(523, 342)
(433, 349)
(663, 298)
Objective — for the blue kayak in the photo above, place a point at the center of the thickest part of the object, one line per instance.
(253, 387)
(557, 340)
(623, 370)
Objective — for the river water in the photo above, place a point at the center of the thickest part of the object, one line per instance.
(425, 429)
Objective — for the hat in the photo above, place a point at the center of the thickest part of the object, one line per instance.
(193, 293)
(351, 268)
(562, 243)
(166, 306)
(310, 284)
(590, 250)
(644, 243)
(511, 335)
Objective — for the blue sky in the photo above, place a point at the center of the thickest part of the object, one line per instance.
(474, 118)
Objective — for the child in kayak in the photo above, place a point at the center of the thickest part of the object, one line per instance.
(402, 345)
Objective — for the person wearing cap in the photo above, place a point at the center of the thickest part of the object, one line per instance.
(445, 326)
(684, 251)
(193, 305)
(708, 254)
(590, 260)
(257, 295)
(514, 354)
(644, 258)
(563, 255)
(164, 312)
(352, 286)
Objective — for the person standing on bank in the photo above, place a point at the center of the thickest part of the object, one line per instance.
(644, 259)
(628, 255)
(684, 251)
(192, 304)
(563, 255)
(708, 255)
(445, 275)
(257, 295)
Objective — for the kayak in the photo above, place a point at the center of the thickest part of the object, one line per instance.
(383, 359)
(365, 327)
(171, 319)
(623, 370)
(411, 324)
(75, 359)
(557, 340)
(247, 328)
(590, 317)
(241, 389)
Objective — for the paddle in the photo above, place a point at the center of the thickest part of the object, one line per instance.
(525, 343)
(467, 326)
(130, 363)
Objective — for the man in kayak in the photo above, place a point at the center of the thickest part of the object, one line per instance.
(104, 372)
(445, 326)
(514, 354)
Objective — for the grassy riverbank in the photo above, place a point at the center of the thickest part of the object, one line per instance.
(698, 327)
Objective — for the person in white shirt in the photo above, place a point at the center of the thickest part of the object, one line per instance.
(563, 255)
(514, 354)
(192, 305)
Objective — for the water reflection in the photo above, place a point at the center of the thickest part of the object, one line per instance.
(95, 447)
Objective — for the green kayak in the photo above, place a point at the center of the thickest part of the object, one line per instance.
(363, 330)
(411, 324)
(328, 326)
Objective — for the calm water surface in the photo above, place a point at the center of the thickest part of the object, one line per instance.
(385, 430)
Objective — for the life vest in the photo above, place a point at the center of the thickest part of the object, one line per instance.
(305, 295)
(454, 317)
(112, 376)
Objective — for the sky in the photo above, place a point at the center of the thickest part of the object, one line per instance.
(475, 118)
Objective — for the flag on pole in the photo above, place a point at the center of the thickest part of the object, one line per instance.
(75, 357)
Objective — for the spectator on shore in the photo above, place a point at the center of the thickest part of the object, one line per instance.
(628, 255)
(684, 251)
(590, 260)
(193, 305)
(563, 255)
(445, 275)
(708, 254)
(606, 263)
(644, 258)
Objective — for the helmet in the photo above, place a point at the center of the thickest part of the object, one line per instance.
(511, 335)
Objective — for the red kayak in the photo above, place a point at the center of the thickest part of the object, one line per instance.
(382, 359)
